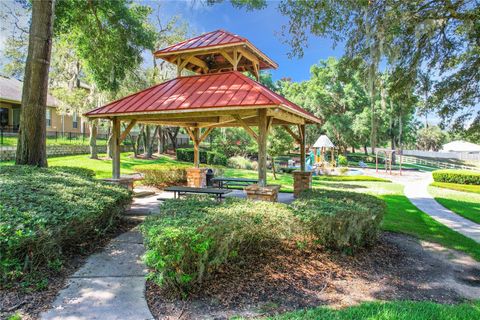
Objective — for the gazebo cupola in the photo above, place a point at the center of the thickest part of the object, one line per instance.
(216, 51)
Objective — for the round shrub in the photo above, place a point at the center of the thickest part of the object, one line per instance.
(457, 176)
(239, 162)
(194, 236)
(340, 220)
(342, 160)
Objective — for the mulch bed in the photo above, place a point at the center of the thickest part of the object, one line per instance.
(287, 278)
(30, 302)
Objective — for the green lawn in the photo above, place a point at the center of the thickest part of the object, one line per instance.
(466, 204)
(396, 310)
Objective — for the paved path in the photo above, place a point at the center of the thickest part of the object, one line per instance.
(416, 190)
(111, 284)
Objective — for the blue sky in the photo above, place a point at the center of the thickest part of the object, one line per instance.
(261, 27)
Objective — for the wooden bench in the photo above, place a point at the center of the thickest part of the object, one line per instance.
(179, 191)
(225, 182)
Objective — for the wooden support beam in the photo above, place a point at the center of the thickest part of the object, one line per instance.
(247, 128)
(205, 134)
(301, 130)
(223, 122)
(227, 56)
(295, 136)
(269, 123)
(196, 150)
(127, 130)
(280, 114)
(190, 133)
(262, 147)
(115, 148)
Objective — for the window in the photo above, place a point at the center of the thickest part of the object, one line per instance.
(3, 117)
(49, 118)
(75, 121)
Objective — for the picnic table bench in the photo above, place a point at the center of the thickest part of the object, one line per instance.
(179, 191)
(225, 182)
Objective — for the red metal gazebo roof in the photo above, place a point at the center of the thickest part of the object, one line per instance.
(220, 91)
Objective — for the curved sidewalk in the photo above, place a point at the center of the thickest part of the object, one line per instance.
(416, 190)
(111, 284)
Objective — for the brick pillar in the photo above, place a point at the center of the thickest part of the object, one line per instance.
(197, 177)
(267, 193)
(302, 180)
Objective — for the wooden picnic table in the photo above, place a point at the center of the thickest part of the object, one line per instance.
(179, 191)
(225, 182)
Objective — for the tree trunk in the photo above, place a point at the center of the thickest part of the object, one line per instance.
(93, 139)
(365, 150)
(150, 141)
(172, 133)
(273, 169)
(160, 141)
(139, 139)
(31, 146)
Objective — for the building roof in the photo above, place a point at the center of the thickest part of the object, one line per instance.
(460, 146)
(219, 91)
(323, 142)
(214, 40)
(11, 91)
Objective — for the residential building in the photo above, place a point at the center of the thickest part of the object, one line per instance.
(10, 105)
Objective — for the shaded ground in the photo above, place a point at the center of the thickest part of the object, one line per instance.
(29, 303)
(287, 278)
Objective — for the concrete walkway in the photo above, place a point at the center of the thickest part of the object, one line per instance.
(111, 284)
(416, 190)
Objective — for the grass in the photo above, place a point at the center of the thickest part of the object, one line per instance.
(466, 204)
(51, 141)
(396, 310)
(457, 186)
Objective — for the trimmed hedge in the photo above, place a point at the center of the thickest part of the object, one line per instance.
(208, 157)
(44, 212)
(340, 220)
(457, 176)
(196, 235)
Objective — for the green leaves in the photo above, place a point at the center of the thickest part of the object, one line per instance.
(43, 211)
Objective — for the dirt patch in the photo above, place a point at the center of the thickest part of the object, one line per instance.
(29, 302)
(287, 278)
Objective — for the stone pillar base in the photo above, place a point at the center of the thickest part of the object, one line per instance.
(126, 182)
(197, 177)
(267, 193)
(302, 180)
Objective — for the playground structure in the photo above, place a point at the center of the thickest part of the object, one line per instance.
(390, 154)
(316, 161)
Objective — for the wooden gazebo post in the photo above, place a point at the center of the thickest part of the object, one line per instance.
(262, 147)
(115, 148)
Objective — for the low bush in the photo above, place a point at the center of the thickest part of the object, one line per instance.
(162, 175)
(239, 162)
(356, 158)
(44, 212)
(340, 220)
(342, 160)
(194, 236)
(208, 157)
(457, 176)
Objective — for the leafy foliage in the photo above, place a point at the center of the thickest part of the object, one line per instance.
(194, 236)
(430, 138)
(457, 176)
(208, 157)
(239, 162)
(44, 212)
(340, 220)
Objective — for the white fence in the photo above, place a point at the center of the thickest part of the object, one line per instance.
(432, 163)
(443, 155)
